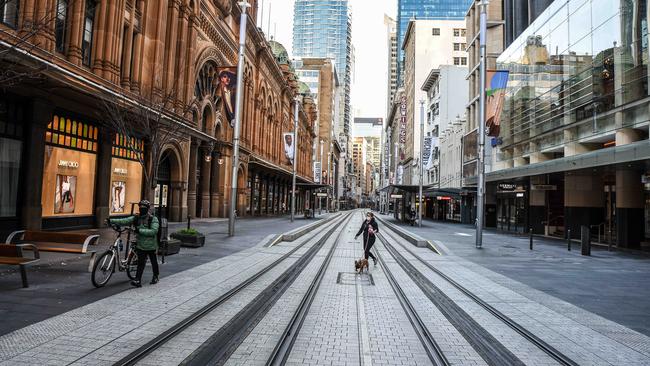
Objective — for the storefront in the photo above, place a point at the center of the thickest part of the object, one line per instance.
(11, 158)
(512, 207)
(126, 175)
(69, 172)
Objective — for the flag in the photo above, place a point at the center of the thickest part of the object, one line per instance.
(497, 80)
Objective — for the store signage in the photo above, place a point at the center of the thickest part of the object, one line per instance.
(317, 171)
(402, 120)
(120, 171)
(507, 186)
(543, 187)
(321, 194)
(520, 194)
(68, 164)
(426, 152)
(444, 198)
(395, 196)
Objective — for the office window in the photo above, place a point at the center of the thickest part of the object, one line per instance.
(89, 22)
(456, 60)
(436, 31)
(456, 32)
(61, 24)
(9, 12)
(463, 61)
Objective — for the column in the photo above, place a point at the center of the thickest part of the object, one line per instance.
(191, 180)
(34, 159)
(537, 206)
(583, 201)
(630, 215)
(205, 181)
(215, 196)
(103, 178)
(76, 22)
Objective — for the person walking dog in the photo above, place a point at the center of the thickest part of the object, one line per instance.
(369, 229)
(146, 228)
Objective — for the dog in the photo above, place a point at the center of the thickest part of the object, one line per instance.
(360, 264)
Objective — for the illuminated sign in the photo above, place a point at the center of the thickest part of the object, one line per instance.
(120, 171)
(68, 164)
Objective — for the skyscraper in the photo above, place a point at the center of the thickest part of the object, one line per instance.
(425, 9)
(323, 28)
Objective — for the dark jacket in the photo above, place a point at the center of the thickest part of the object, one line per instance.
(147, 233)
(364, 229)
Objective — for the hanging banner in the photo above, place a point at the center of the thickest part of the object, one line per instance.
(226, 91)
(495, 93)
(317, 172)
(426, 152)
(289, 150)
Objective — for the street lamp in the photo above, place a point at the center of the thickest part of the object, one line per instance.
(421, 160)
(480, 189)
(238, 102)
(295, 156)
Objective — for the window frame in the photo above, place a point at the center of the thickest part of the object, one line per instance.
(3, 16)
(60, 44)
(87, 48)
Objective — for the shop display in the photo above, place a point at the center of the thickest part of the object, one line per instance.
(118, 195)
(64, 196)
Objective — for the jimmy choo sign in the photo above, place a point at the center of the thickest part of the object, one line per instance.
(68, 164)
(120, 171)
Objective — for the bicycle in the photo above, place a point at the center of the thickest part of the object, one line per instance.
(104, 267)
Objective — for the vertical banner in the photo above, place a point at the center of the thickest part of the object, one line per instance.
(317, 172)
(226, 91)
(289, 149)
(497, 80)
(426, 153)
(402, 125)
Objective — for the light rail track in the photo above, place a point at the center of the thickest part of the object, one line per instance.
(492, 351)
(224, 337)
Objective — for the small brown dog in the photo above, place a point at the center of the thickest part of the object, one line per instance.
(360, 264)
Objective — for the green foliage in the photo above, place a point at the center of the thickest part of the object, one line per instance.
(190, 231)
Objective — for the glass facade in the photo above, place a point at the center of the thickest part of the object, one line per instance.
(426, 9)
(323, 28)
(574, 75)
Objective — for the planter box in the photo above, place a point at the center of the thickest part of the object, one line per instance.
(169, 247)
(190, 241)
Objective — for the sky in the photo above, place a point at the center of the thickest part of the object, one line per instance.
(370, 76)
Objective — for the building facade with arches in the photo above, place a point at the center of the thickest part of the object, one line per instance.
(65, 162)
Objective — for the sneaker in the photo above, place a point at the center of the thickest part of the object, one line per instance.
(154, 280)
(136, 284)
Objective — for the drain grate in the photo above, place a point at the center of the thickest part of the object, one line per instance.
(353, 278)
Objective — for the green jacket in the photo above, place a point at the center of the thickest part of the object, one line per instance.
(147, 236)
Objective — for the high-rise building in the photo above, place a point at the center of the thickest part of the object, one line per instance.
(391, 38)
(323, 28)
(519, 14)
(425, 9)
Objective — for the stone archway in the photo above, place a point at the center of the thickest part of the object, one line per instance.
(242, 188)
(168, 192)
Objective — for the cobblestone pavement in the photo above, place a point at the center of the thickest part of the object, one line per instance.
(353, 320)
(61, 283)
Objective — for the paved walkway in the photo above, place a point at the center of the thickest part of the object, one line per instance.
(60, 283)
(613, 284)
(352, 321)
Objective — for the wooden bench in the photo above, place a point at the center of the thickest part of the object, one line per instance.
(46, 241)
(12, 254)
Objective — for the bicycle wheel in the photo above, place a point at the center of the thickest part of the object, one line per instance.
(132, 265)
(103, 268)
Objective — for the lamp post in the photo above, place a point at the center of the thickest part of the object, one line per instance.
(295, 156)
(238, 102)
(421, 161)
(480, 190)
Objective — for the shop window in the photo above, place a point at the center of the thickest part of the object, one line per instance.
(71, 133)
(69, 168)
(10, 152)
(126, 174)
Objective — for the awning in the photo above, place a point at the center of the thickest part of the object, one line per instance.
(270, 166)
(454, 193)
(405, 188)
(312, 185)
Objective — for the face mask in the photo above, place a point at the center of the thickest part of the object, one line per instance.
(143, 210)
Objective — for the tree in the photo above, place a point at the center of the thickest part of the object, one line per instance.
(151, 119)
(22, 39)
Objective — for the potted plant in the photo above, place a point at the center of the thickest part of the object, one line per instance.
(189, 238)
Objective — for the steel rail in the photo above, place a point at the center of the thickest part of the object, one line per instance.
(219, 347)
(435, 353)
(538, 342)
(149, 347)
(283, 348)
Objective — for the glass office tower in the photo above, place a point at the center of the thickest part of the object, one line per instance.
(425, 9)
(323, 28)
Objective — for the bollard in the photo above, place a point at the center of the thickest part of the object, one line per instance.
(188, 221)
(568, 240)
(530, 233)
(585, 240)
